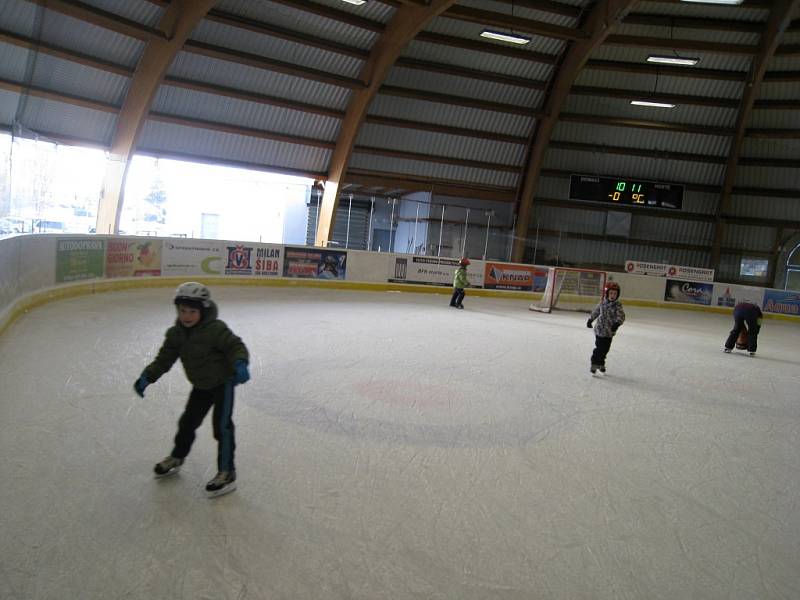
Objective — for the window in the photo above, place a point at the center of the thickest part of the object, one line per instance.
(754, 267)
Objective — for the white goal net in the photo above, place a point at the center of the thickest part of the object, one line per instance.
(571, 289)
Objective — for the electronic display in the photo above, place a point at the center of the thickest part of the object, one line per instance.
(631, 192)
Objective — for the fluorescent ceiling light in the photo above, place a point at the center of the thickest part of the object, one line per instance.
(356, 2)
(512, 38)
(731, 2)
(673, 60)
(654, 104)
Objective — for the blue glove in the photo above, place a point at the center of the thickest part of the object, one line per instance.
(140, 385)
(240, 372)
(589, 323)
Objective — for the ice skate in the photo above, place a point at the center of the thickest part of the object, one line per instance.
(602, 368)
(223, 483)
(169, 466)
(594, 368)
(753, 353)
(727, 350)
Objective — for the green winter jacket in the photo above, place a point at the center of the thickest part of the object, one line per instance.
(460, 278)
(207, 351)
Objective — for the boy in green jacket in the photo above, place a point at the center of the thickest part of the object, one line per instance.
(214, 360)
(459, 283)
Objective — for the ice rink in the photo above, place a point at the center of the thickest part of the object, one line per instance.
(391, 447)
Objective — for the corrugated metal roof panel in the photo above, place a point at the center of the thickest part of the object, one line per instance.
(765, 208)
(765, 148)
(480, 61)
(677, 171)
(574, 220)
(707, 88)
(275, 48)
(775, 119)
(520, 12)
(657, 228)
(199, 105)
(68, 120)
(77, 80)
(13, 61)
(260, 81)
(438, 144)
(146, 13)
(448, 114)
(472, 31)
(8, 106)
(374, 11)
(716, 36)
(783, 62)
(633, 137)
(703, 11)
(170, 138)
(462, 86)
(780, 90)
(769, 177)
(621, 108)
(430, 169)
(281, 15)
(83, 37)
(638, 54)
(749, 238)
(19, 17)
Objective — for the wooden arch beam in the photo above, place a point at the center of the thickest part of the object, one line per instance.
(178, 22)
(404, 26)
(779, 19)
(599, 23)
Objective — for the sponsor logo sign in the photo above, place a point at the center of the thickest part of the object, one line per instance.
(314, 263)
(782, 302)
(688, 292)
(78, 259)
(663, 270)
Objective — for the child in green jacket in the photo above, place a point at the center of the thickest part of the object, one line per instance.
(459, 283)
(214, 360)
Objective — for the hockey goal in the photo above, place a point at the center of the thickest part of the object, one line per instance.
(571, 289)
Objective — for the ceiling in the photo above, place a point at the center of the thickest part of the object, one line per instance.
(397, 96)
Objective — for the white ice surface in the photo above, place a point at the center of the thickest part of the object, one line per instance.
(392, 447)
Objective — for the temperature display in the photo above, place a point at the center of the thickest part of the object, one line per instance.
(632, 192)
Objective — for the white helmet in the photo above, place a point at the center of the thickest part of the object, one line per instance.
(192, 292)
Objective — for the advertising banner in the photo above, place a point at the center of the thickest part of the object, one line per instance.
(133, 258)
(729, 295)
(432, 270)
(782, 302)
(688, 292)
(78, 259)
(193, 257)
(315, 263)
(268, 260)
(504, 276)
(662, 270)
(263, 260)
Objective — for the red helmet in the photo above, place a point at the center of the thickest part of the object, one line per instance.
(464, 262)
(612, 285)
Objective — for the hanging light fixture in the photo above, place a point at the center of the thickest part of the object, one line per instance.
(653, 103)
(729, 2)
(511, 38)
(356, 2)
(503, 36)
(681, 61)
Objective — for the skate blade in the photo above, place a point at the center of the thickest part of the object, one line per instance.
(169, 473)
(222, 491)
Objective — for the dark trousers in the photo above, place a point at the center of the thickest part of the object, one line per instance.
(200, 401)
(752, 333)
(458, 297)
(601, 347)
